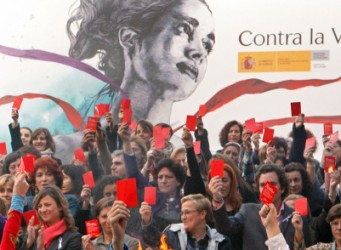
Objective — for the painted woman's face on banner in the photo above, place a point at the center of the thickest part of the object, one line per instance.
(173, 56)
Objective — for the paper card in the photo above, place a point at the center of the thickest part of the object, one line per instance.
(159, 143)
(268, 135)
(268, 193)
(88, 179)
(92, 228)
(125, 104)
(301, 206)
(197, 147)
(329, 163)
(217, 168)
(250, 124)
(133, 125)
(150, 195)
(328, 128)
(79, 155)
(295, 108)
(101, 109)
(3, 148)
(28, 161)
(310, 142)
(127, 114)
(28, 215)
(259, 128)
(334, 137)
(191, 122)
(92, 123)
(21, 166)
(17, 103)
(165, 132)
(126, 191)
(202, 110)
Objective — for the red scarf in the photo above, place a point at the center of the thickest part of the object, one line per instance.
(52, 232)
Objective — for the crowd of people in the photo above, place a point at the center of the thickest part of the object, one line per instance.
(194, 209)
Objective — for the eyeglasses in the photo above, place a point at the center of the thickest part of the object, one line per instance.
(335, 224)
(187, 212)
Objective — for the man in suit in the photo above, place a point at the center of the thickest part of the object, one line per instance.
(246, 225)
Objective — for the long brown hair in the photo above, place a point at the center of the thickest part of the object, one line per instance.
(56, 194)
(233, 197)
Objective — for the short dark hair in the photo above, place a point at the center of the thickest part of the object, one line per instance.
(12, 157)
(295, 166)
(282, 178)
(103, 203)
(76, 174)
(100, 185)
(334, 213)
(174, 167)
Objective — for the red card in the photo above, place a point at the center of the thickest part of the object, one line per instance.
(125, 104)
(92, 228)
(310, 142)
(268, 134)
(133, 125)
(165, 132)
(3, 149)
(191, 122)
(197, 147)
(17, 103)
(28, 161)
(101, 109)
(259, 128)
(329, 164)
(126, 192)
(21, 166)
(159, 142)
(301, 206)
(79, 155)
(127, 114)
(295, 108)
(28, 215)
(334, 137)
(268, 193)
(202, 110)
(217, 168)
(150, 195)
(328, 128)
(88, 179)
(250, 124)
(92, 123)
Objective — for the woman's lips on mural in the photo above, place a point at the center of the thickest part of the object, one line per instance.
(188, 69)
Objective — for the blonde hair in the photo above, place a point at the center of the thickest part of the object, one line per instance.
(6, 178)
(201, 202)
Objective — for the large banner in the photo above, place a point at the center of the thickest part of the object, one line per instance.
(245, 59)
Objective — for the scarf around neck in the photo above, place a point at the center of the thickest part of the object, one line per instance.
(52, 232)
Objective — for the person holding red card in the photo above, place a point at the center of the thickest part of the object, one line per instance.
(14, 216)
(170, 179)
(6, 188)
(20, 136)
(300, 183)
(103, 209)
(246, 226)
(144, 130)
(193, 232)
(201, 134)
(58, 229)
(12, 163)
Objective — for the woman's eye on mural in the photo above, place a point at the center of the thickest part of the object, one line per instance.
(187, 29)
